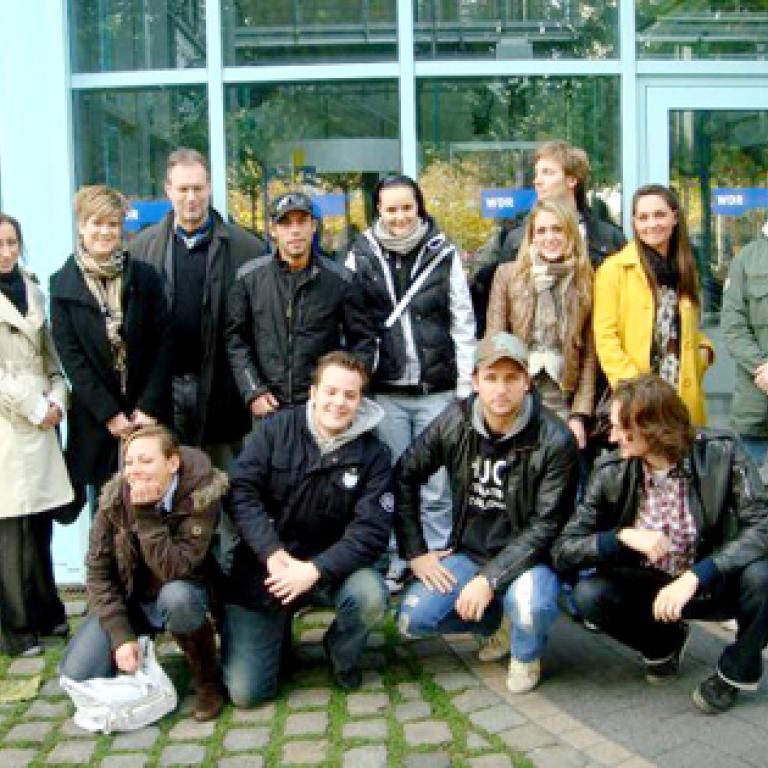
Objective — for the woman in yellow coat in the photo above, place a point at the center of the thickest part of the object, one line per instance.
(646, 303)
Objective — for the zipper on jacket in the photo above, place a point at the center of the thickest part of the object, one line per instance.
(289, 318)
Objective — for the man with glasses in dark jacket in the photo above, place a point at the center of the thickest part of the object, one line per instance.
(674, 525)
(288, 309)
(512, 465)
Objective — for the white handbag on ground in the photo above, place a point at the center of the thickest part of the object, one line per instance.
(125, 702)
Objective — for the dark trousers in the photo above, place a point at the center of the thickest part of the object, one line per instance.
(620, 602)
(29, 603)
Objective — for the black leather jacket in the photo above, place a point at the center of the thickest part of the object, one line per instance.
(727, 498)
(540, 487)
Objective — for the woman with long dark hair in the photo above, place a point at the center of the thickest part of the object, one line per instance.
(646, 303)
(414, 286)
(33, 476)
(112, 331)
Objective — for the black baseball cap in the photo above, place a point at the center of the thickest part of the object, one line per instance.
(291, 201)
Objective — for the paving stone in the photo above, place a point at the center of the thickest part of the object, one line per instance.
(51, 689)
(144, 738)
(192, 730)
(427, 732)
(367, 703)
(241, 761)
(72, 752)
(321, 618)
(428, 760)
(556, 757)
(376, 640)
(313, 635)
(412, 710)
(581, 738)
(71, 731)
(17, 758)
(263, 714)
(373, 661)
(365, 757)
(607, 753)
(558, 723)
(490, 761)
(475, 698)
(35, 732)
(456, 681)
(305, 752)
(182, 754)
(124, 761)
(476, 741)
(496, 719)
(527, 737)
(306, 698)
(49, 709)
(306, 724)
(409, 691)
(372, 680)
(22, 667)
(442, 664)
(372, 729)
(426, 648)
(76, 607)
(639, 762)
(241, 739)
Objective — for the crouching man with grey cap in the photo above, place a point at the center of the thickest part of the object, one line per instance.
(513, 470)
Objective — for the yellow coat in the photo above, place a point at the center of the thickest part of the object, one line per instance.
(623, 319)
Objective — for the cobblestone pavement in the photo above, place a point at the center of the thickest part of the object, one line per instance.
(423, 704)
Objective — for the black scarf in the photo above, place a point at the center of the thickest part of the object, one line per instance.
(13, 288)
(664, 269)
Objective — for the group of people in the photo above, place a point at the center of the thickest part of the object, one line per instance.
(383, 438)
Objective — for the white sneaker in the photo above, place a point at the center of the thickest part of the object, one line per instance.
(523, 676)
(496, 646)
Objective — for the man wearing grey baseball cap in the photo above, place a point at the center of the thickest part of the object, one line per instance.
(513, 468)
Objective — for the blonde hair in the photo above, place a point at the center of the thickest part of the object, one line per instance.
(169, 445)
(573, 160)
(99, 201)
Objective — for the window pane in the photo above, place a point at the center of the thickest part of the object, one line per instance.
(702, 29)
(477, 139)
(122, 137)
(314, 31)
(119, 35)
(333, 139)
(516, 29)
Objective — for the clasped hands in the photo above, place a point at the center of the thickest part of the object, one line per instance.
(289, 577)
(474, 597)
(672, 599)
(121, 426)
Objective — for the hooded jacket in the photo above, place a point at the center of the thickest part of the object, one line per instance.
(331, 506)
(135, 549)
(540, 471)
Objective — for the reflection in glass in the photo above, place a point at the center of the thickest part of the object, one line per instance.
(334, 140)
(516, 29)
(719, 167)
(119, 35)
(480, 135)
(702, 29)
(313, 31)
(123, 137)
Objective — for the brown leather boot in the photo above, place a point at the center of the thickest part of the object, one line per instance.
(200, 649)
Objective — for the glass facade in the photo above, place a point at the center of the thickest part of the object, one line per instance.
(122, 35)
(513, 29)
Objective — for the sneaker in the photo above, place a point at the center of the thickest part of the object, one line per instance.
(32, 650)
(714, 696)
(658, 672)
(495, 646)
(523, 676)
(396, 575)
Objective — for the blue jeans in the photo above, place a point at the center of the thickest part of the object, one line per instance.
(406, 417)
(530, 602)
(180, 607)
(252, 640)
(756, 448)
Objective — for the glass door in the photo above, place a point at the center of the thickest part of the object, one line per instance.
(711, 145)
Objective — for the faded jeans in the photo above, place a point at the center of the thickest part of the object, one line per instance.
(530, 602)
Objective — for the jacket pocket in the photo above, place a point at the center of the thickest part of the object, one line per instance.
(757, 298)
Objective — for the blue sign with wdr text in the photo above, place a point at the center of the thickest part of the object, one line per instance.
(738, 200)
(505, 203)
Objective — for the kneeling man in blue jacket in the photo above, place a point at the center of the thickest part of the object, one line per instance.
(312, 501)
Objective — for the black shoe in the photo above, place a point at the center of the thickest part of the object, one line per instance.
(714, 696)
(658, 672)
(348, 680)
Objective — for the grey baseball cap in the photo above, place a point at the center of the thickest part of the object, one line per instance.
(291, 201)
(501, 345)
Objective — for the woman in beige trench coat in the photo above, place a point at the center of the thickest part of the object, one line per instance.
(33, 476)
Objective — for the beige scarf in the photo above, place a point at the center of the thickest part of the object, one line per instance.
(551, 281)
(105, 281)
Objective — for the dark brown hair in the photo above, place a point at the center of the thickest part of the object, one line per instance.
(679, 244)
(169, 444)
(652, 409)
(6, 219)
(343, 360)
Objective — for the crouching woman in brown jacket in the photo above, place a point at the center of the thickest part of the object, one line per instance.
(150, 565)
